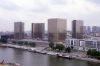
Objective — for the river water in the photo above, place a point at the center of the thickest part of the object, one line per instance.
(26, 58)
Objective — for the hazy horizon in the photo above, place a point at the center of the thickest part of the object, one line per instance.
(36, 11)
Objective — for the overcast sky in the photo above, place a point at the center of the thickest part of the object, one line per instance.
(32, 11)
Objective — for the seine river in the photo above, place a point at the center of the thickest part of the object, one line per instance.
(26, 58)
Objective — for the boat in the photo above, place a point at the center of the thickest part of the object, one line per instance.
(62, 56)
(43, 52)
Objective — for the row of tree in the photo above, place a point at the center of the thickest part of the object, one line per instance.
(21, 43)
(93, 53)
(59, 47)
(3, 40)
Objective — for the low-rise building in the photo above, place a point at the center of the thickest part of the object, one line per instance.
(83, 44)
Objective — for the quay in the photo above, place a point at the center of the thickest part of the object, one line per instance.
(41, 51)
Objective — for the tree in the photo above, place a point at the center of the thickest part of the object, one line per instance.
(60, 47)
(71, 47)
(20, 43)
(89, 52)
(25, 42)
(32, 44)
(68, 49)
(51, 45)
(3, 40)
(93, 53)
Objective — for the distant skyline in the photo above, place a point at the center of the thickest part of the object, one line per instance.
(37, 11)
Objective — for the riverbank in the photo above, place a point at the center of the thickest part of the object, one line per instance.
(77, 55)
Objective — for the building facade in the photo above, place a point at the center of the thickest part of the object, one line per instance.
(84, 29)
(83, 44)
(77, 29)
(89, 30)
(18, 30)
(38, 30)
(57, 29)
(95, 30)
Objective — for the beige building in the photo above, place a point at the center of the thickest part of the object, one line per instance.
(77, 29)
(38, 30)
(18, 30)
(57, 29)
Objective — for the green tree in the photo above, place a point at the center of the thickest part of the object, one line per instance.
(71, 47)
(60, 47)
(51, 45)
(68, 49)
(25, 42)
(32, 44)
(89, 52)
(93, 53)
(3, 40)
(20, 43)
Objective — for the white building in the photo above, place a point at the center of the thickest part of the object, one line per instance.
(83, 44)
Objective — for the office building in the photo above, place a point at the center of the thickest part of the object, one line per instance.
(57, 29)
(95, 29)
(84, 30)
(18, 30)
(77, 29)
(38, 30)
(89, 30)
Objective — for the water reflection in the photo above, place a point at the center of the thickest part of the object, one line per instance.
(54, 61)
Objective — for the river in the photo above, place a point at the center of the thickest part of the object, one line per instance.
(26, 58)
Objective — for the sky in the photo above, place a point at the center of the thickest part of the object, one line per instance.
(37, 11)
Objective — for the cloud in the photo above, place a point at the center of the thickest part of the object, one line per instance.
(95, 1)
(30, 11)
(58, 2)
(6, 4)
